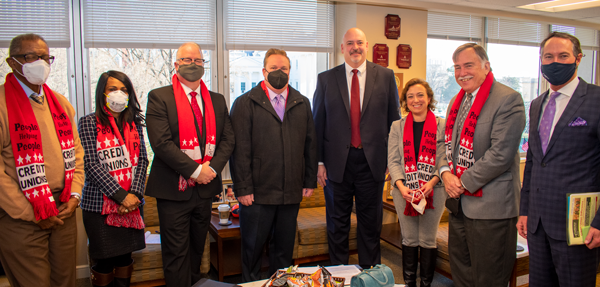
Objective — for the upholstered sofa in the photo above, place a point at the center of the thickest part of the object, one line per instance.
(311, 237)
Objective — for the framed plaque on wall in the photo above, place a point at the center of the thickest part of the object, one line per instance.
(381, 55)
(392, 26)
(404, 56)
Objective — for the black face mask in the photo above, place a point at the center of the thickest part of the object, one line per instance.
(278, 79)
(558, 73)
(191, 72)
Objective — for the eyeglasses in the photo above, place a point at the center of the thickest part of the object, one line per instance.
(188, 61)
(29, 58)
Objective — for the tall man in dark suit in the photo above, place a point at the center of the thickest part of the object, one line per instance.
(563, 157)
(191, 135)
(354, 106)
(478, 159)
(273, 165)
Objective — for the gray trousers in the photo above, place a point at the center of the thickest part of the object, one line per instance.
(420, 230)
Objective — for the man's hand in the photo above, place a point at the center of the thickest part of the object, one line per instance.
(452, 184)
(322, 175)
(307, 192)
(50, 222)
(206, 174)
(66, 209)
(522, 226)
(246, 200)
(131, 202)
(593, 238)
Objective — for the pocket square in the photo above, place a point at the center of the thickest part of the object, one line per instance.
(578, 122)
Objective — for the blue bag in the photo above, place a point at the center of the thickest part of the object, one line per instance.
(379, 275)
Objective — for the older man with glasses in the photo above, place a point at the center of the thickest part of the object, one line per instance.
(191, 135)
(41, 171)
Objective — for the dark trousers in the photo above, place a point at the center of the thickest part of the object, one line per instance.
(482, 251)
(553, 263)
(257, 222)
(358, 184)
(183, 229)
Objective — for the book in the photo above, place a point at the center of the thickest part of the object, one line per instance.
(581, 210)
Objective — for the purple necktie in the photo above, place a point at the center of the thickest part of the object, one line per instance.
(279, 105)
(547, 120)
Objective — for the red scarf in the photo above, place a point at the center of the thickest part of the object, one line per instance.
(466, 158)
(188, 138)
(120, 157)
(26, 140)
(418, 173)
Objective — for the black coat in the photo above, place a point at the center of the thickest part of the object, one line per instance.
(169, 162)
(272, 159)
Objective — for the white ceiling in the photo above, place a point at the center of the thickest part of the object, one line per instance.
(502, 8)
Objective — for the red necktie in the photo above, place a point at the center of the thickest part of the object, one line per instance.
(197, 112)
(355, 110)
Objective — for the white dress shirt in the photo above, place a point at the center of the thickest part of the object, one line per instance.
(561, 102)
(362, 79)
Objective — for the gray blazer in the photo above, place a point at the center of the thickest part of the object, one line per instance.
(495, 146)
(396, 149)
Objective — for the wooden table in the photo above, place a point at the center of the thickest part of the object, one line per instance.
(230, 236)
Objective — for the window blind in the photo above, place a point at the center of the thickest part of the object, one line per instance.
(49, 19)
(290, 25)
(454, 26)
(149, 24)
(588, 37)
(515, 32)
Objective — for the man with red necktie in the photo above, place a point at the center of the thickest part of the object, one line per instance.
(191, 136)
(353, 108)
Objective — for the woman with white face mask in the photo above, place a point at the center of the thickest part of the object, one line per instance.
(115, 166)
(419, 196)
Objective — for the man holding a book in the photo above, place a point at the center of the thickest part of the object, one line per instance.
(563, 160)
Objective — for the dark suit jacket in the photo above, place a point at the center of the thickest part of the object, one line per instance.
(169, 162)
(272, 159)
(331, 111)
(571, 163)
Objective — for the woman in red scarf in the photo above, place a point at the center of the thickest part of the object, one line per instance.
(419, 195)
(115, 173)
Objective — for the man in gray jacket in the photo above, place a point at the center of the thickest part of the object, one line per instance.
(273, 165)
(478, 160)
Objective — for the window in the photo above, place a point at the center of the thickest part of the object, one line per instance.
(144, 46)
(304, 30)
(523, 79)
(246, 66)
(440, 72)
(18, 17)
(58, 70)
(590, 44)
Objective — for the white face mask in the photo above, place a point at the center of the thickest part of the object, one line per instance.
(117, 101)
(36, 72)
(420, 208)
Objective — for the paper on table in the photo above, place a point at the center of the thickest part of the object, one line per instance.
(152, 238)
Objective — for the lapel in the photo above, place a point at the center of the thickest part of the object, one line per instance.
(294, 99)
(340, 75)
(369, 84)
(534, 137)
(261, 99)
(575, 102)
